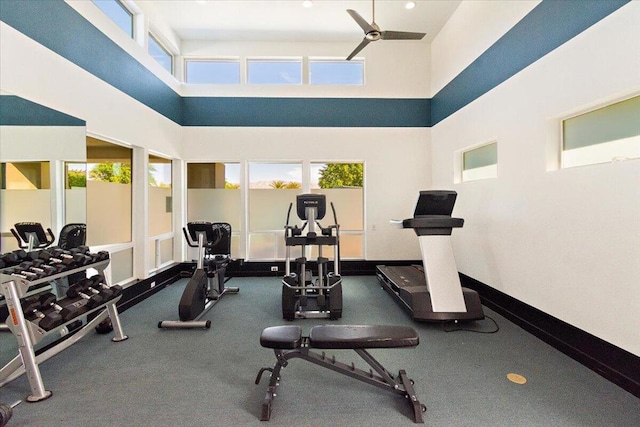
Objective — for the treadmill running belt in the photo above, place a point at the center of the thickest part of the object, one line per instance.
(405, 276)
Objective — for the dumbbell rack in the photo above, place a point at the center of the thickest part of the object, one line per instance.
(28, 334)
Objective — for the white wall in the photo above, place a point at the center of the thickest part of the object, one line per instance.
(471, 30)
(564, 241)
(41, 143)
(33, 72)
(396, 167)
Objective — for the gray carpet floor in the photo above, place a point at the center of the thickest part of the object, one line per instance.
(206, 377)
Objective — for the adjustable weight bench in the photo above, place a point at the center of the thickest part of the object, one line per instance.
(288, 343)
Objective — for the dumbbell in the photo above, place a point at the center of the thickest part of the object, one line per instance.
(31, 309)
(68, 312)
(63, 263)
(6, 411)
(89, 286)
(27, 275)
(78, 291)
(99, 256)
(79, 255)
(39, 268)
(34, 255)
(13, 258)
(98, 281)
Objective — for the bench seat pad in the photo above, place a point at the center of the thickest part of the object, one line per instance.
(281, 337)
(362, 336)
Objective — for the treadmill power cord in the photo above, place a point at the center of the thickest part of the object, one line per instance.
(459, 327)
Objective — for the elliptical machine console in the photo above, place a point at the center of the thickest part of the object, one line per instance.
(302, 295)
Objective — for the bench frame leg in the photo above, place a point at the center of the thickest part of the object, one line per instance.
(381, 378)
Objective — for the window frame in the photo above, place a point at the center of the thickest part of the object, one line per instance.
(577, 157)
(489, 171)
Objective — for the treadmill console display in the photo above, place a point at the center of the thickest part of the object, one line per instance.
(435, 202)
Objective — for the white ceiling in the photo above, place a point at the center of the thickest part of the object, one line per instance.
(288, 20)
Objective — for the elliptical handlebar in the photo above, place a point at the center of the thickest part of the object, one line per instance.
(295, 230)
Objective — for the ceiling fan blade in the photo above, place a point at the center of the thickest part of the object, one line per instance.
(366, 27)
(361, 46)
(401, 35)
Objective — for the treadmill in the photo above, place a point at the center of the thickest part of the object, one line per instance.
(432, 292)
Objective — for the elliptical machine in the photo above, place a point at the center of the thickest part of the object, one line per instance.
(302, 297)
(207, 285)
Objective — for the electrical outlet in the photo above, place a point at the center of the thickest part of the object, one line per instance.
(274, 268)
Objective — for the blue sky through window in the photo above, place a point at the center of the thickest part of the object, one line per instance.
(160, 54)
(336, 72)
(215, 72)
(117, 13)
(261, 174)
(274, 72)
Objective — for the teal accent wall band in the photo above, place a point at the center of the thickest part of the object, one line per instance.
(57, 26)
(306, 112)
(16, 111)
(546, 27)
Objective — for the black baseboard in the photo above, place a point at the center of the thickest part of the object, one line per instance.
(613, 363)
(143, 289)
(347, 268)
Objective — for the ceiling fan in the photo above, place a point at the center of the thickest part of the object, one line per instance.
(372, 32)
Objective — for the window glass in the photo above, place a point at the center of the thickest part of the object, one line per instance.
(75, 195)
(108, 193)
(160, 202)
(338, 72)
(603, 135)
(25, 195)
(213, 194)
(343, 185)
(272, 188)
(480, 162)
(118, 13)
(274, 72)
(160, 54)
(214, 72)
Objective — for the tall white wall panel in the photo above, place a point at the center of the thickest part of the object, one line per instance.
(564, 241)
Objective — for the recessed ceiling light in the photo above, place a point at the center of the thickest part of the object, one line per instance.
(410, 5)
(307, 3)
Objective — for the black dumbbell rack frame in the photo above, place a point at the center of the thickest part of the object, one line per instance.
(28, 334)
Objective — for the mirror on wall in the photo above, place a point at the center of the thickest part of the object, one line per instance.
(42, 154)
